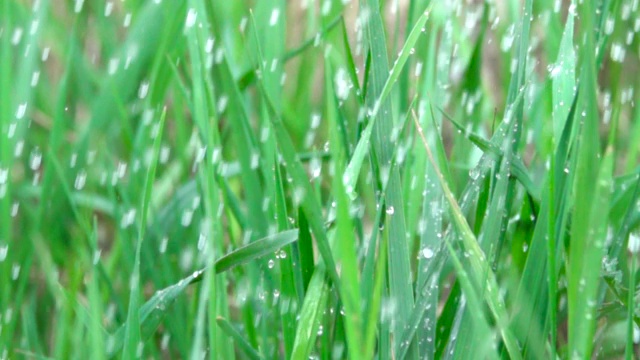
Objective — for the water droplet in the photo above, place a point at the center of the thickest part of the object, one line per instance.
(275, 15)
(78, 6)
(191, 18)
(143, 90)
(81, 179)
(427, 253)
(22, 110)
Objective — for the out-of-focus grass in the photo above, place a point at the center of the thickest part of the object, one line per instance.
(319, 179)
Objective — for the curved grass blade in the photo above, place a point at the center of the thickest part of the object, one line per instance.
(478, 261)
(355, 164)
(152, 312)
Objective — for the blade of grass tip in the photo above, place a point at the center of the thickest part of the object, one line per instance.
(518, 169)
(236, 335)
(197, 31)
(346, 246)
(132, 339)
(355, 164)
(586, 247)
(256, 250)
(382, 132)
(476, 257)
(302, 190)
(563, 77)
(563, 93)
(469, 193)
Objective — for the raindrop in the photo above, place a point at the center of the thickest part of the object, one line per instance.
(191, 18)
(81, 179)
(78, 6)
(143, 90)
(618, 52)
(15, 271)
(4, 249)
(634, 243)
(17, 35)
(128, 218)
(342, 84)
(163, 245)
(22, 109)
(35, 159)
(164, 343)
(108, 8)
(127, 20)
(35, 78)
(275, 14)
(187, 216)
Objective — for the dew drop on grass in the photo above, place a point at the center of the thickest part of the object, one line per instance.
(271, 263)
(390, 210)
(427, 253)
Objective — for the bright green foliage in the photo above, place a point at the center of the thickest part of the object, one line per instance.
(330, 179)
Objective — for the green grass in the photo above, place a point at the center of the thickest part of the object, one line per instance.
(367, 180)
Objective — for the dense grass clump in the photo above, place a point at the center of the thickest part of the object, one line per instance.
(331, 179)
